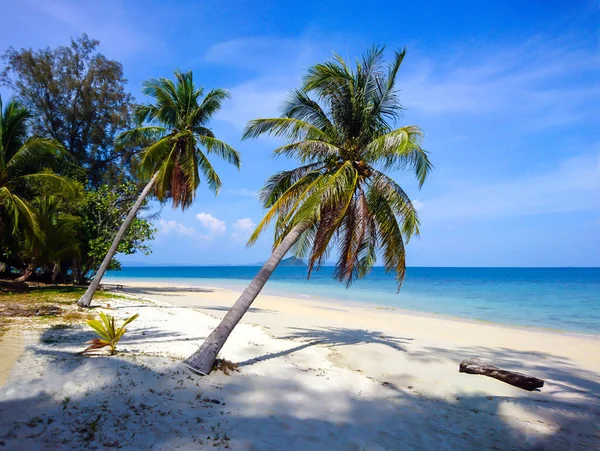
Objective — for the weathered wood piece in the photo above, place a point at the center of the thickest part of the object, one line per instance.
(477, 366)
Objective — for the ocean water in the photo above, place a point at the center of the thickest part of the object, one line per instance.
(565, 299)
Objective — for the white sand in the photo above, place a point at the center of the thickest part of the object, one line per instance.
(314, 375)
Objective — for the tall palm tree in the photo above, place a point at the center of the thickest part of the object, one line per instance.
(180, 141)
(340, 127)
(21, 160)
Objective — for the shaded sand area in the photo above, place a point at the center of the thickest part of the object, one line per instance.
(313, 375)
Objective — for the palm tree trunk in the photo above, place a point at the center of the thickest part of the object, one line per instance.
(203, 359)
(55, 271)
(86, 299)
(26, 274)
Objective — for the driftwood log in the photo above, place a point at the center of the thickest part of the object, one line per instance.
(477, 366)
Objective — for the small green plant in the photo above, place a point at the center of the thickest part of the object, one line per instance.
(109, 334)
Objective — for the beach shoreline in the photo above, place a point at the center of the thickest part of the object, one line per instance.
(235, 290)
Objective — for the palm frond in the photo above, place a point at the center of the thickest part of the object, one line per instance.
(290, 128)
(32, 151)
(209, 106)
(280, 182)
(219, 148)
(295, 193)
(57, 182)
(399, 203)
(309, 150)
(18, 208)
(140, 136)
(390, 235)
(212, 178)
(400, 149)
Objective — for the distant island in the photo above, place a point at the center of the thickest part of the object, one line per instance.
(291, 261)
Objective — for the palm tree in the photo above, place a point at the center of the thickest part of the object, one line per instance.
(340, 126)
(180, 141)
(21, 160)
(56, 241)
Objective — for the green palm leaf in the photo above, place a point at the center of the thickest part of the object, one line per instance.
(20, 159)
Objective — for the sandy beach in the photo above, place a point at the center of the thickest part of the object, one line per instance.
(312, 375)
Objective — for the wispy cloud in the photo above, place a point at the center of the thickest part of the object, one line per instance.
(547, 83)
(574, 185)
(243, 192)
(550, 83)
(278, 65)
(111, 24)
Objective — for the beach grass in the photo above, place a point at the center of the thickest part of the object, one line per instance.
(43, 304)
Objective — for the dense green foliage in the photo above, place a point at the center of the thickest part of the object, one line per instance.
(65, 187)
(77, 97)
(102, 212)
(20, 158)
(341, 127)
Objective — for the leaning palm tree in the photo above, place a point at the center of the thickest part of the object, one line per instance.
(340, 127)
(176, 127)
(21, 160)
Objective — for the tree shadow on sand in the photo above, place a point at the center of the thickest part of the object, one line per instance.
(219, 308)
(145, 402)
(60, 334)
(151, 290)
(333, 337)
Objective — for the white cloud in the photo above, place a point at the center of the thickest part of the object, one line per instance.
(168, 227)
(243, 229)
(214, 227)
(574, 185)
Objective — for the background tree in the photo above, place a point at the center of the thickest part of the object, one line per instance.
(76, 96)
(102, 212)
(340, 127)
(177, 127)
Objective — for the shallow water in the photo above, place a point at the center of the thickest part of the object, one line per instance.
(555, 298)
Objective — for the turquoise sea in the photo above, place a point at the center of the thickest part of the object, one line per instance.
(556, 298)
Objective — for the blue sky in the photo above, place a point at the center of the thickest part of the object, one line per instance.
(508, 94)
